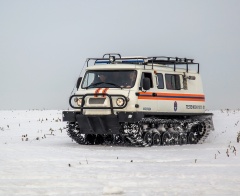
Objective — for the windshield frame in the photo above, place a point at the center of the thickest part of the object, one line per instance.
(114, 79)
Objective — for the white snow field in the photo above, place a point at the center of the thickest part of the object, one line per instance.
(38, 158)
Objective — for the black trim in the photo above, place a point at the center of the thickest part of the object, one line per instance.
(167, 96)
(125, 116)
(69, 116)
(130, 117)
(154, 94)
(98, 124)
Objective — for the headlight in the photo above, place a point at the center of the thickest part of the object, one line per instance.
(120, 102)
(79, 102)
(75, 99)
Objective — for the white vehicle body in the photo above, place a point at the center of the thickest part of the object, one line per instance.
(139, 97)
(188, 99)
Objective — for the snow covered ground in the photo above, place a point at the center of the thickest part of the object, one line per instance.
(38, 158)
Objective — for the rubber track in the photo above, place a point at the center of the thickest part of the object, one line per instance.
(73, 133)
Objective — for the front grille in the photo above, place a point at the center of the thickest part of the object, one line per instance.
(96, 100)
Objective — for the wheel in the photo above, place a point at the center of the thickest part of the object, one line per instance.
(201, 129)
(166, 139)
(182, 138)
(192, 138)
(198, 130)
(156, 139)
(74, 133)
(147, 138)
(99, 139)
(90, 139)
(80, 139)
(108, 139)
(175, 137)
(118, 139)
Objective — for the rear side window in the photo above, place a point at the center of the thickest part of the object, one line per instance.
(172, 81)
(160, 81)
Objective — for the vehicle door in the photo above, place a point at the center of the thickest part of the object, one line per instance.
(146, 100)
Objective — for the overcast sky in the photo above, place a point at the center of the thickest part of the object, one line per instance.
(44, 44)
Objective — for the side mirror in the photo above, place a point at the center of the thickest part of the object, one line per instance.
(78, 82)
(146, 84)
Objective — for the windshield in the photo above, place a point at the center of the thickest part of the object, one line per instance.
(109, 79)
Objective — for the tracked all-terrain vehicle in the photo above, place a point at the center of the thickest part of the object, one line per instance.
(140, 101)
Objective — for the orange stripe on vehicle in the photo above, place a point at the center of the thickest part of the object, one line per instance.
(174, 99)
(96, 92)
(171, 96)
(105, 91)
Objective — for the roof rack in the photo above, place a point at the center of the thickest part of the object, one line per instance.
(155, 60)
(112, 54)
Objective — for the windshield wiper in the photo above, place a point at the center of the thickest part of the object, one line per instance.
(116, 85)
(98, 83)
(95, 84)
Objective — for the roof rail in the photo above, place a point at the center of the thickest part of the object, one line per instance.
(169, 60)
(112, 54)
(155, 60)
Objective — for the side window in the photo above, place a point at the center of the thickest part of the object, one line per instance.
(160, 81)
(88, 79)
(147, 75)
(172, 81)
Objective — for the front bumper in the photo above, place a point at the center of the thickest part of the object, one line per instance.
(101, 124)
